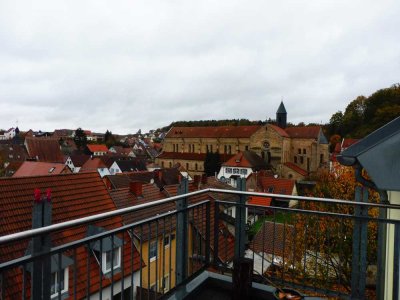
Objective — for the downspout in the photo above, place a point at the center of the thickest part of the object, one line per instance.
(382, 231)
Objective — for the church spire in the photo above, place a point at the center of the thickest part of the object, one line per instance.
(281, 116)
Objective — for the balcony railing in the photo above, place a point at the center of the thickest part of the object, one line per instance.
(319, 247)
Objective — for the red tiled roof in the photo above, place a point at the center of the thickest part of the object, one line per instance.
(258, 200)
(348, 142)
(273, 238)
(247, 159)
(73, 196)
(280, 185)
(44, 149)
(279, 130)
(213, 132)
(190, 156)
(296, 168)
(97, 148)
(92, 164)
(304, 132)
(34, 168)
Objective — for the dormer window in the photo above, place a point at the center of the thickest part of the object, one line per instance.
(107, 250)
(59, 282)
(111, 259)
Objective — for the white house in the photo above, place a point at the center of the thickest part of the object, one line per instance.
(242, 165)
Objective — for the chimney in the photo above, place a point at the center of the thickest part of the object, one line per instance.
(136, 188)
(196, 180)
(204, 179)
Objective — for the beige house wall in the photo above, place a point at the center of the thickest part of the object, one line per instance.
(394, 198)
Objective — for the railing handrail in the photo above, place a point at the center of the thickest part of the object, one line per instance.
(85, 220)
(302, 198)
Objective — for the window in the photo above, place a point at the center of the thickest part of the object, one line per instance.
(321, 158)
(243, 171)
(187, 166)
(228, 170)
(304, 151)
(229, 211)
(235, 171)
(153, 250)
(225, 149)
(108, 261)
(230, 149)
(57, 286)
(270, 189)
(165, 283)
(295, 159)
(195, 166)
(299, 151)
(162, 164)
(170, 164)
(301, 159)
(167, 240)
(211, 148)
(246, 148)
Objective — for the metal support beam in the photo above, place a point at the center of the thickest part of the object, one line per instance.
(360, 238)
(240, 221)
(182, 233)
(41, 267)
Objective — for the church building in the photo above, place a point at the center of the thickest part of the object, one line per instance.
(292, 152)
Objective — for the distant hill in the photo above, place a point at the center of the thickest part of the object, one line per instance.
(211, 123)
(365, 114)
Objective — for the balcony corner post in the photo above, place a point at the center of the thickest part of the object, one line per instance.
(240, 221)
(182, 233)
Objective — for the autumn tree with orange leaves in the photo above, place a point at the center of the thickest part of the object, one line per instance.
(321, 245)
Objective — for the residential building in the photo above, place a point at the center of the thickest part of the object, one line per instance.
(36, 168)
(96, 150)
(76, 161)
(242, 165)
(70, 199)
(132, 165)
(95, 164)
(44, 149)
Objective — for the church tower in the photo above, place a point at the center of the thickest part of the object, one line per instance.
(281, 116)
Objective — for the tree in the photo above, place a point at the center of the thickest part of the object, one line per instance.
(333, 140)
(327, 240)
(80, 139)
(212, 163)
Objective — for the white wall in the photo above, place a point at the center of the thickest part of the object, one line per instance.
(106, 292)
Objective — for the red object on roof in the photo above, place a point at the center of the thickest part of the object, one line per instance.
(306, 132)
(213, 132)
(97, 148)
(35, 168)
(73, 196)
(296, 168)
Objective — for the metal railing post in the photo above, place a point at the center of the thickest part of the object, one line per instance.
(360, 237)
(240, 221)
(182, 233)
(208, 233)
(41, 267)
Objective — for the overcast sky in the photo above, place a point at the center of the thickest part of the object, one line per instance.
(124, 65)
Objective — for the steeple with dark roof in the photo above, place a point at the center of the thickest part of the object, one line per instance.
(281, 116)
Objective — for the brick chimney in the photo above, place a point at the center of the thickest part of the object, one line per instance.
(136, 188)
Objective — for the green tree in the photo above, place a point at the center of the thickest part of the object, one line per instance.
(212, 163)
(80, 139)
